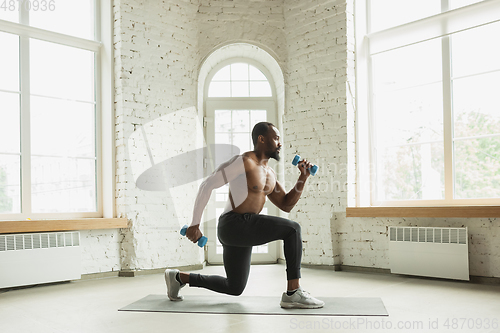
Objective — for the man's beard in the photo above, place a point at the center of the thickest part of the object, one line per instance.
(276, 155)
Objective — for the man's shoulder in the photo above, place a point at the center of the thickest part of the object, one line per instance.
(248, 156)
(249, 160)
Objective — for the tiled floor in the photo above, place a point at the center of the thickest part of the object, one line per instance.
(413, 304)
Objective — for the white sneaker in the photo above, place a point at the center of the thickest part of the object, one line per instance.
(173, 286)
(301, 299)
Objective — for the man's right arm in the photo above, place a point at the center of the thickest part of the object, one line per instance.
(225, 173)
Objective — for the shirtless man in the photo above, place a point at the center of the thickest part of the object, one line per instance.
(241, 226)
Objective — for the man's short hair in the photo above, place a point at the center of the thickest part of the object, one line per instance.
(261, 128)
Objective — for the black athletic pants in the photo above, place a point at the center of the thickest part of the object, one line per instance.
(237, 234)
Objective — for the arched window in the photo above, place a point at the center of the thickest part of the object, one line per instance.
(239, 95)
(239, 80)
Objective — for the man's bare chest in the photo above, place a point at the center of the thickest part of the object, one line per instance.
(261, 179)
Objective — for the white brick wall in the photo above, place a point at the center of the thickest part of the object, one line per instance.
(258, 22)
(100, 251)
(315, 118)
(155, 72)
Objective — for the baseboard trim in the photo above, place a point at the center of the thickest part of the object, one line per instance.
(324, 267)
(38, 285)
(345, 268)
(138, 272)
(363, 269)
(472, 278)
(484, 280)
(102, 275)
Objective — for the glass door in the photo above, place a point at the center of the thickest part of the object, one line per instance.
(231, 123)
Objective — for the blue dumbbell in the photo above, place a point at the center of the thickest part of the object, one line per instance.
(312, 170)
(201, 242)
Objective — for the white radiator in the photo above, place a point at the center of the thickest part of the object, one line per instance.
(27, 259)
(434, 252)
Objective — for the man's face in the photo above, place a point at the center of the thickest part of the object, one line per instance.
(273, 143)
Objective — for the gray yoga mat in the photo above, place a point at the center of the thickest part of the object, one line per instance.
(223, 304)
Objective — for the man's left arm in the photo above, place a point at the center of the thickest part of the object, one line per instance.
(286, 201)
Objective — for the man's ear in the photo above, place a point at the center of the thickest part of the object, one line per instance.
(261, 139)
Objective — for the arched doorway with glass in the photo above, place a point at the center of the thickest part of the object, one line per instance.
(239, 93)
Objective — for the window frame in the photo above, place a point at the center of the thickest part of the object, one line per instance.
(370, 43)
(104, 111)
(235, 60)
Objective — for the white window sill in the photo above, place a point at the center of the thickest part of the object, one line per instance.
(443, 211)
(7, 227)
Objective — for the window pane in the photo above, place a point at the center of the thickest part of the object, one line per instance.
(221, 152)
(9, 62)
(408, 95)
(241, 121)
(390, 13)
(226, 138)
(257, 116)
(222, 190)
(219, 89)
(222, 120)
(223, 75)
(10, 12)
(476, 105)
(239, 89)
(256, 75)
(223, 138)
(476, 50)
(411, 172)
(62, 128)
(61, 71)
(239, 80)
(61, 185)
(412, 115)
(70, 17)
(222, 193)
(260, 248)
(477, 168)
(221, 197)
(10, 140)
(408, 66)
(10, 184)
(260, 89)
(242, 141)
(239, 72)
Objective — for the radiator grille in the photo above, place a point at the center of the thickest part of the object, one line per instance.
(34, 258)
(38, 241)
(435, 252)
(428, 235)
